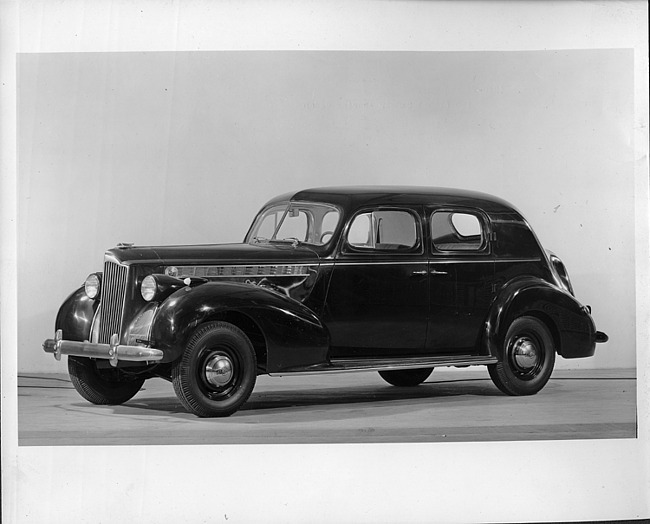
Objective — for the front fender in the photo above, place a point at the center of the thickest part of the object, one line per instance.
(75, 316)
(572, 327)
(293, 334)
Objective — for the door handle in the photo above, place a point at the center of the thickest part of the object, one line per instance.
(419, 273)
(436, 272)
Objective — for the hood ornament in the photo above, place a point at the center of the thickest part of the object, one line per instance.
(125, 245)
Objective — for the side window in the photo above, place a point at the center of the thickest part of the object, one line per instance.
(456, 231)
(385, 230)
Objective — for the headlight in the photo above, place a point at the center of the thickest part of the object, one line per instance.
(93, 285)
(148, 288)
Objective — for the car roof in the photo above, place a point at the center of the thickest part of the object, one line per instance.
(353, 197)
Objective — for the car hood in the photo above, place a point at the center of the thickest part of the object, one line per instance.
(215, 254)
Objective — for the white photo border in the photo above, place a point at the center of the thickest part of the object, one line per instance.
(571, 480)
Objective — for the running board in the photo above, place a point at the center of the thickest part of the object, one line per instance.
(350, 365)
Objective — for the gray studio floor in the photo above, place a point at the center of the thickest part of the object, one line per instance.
(452, 405)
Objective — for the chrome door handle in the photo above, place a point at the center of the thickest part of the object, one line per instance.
(436, 272)
(417, 273)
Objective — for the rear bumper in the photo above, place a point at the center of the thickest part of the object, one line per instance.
(601, 337)
(114, 352)
(579, 335)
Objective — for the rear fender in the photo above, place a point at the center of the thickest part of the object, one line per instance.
(572, 328)
(293, 334)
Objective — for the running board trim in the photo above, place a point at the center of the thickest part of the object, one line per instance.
(352, 365)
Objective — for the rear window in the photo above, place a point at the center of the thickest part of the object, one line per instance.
(456, 231)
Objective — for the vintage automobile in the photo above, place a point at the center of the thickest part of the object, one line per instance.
(390, 279)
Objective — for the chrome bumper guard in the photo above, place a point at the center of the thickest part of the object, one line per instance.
(113, 352)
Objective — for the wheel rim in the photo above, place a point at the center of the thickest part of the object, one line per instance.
(219, 373)
(218, 370)
(526, 356)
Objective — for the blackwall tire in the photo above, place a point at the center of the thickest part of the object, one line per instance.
(528, 358)
(216, 373)
(406, 378)
(102, 386)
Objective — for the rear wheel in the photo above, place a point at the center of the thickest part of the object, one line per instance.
(217, 371)
(108, 386)
(406, 377)
(528, 358)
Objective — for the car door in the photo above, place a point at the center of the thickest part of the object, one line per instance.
(461, 277)
(377, 302)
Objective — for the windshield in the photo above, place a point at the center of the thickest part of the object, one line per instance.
(295, 222)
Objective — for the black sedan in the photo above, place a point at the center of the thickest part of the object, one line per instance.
(390, 279)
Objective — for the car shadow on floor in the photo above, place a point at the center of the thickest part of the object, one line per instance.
(368, 394)
(281, 399)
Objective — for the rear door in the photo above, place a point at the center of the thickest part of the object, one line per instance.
(461, 277)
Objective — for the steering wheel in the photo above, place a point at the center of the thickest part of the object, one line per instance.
(324, 235)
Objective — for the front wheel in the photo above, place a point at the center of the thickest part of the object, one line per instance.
(406, 378)
(106, 386)
(527, 360)
(216, 373)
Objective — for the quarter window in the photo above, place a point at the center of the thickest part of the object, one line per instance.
(456, 231)
(385, 230)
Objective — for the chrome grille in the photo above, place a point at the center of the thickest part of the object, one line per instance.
(113, 291)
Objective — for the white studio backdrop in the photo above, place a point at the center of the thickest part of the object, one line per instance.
(184, 147)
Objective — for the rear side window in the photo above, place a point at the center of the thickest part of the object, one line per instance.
(457, 231)
(384, 230)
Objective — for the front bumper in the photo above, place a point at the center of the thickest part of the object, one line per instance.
(114, 352)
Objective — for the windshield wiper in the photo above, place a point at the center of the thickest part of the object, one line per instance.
(260, 240)
(289, 240)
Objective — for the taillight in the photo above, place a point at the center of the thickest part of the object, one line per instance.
(562, 274)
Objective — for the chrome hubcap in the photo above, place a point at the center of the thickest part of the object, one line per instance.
(525, 353)
(218, 370)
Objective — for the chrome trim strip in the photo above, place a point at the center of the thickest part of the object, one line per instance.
(256, 276)
(245, 270)
(339, 262)
(358, 365)
(429, 260)
(462, 261)
(379, 263)
(538, 259)
(481, 260)
(94, 325)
